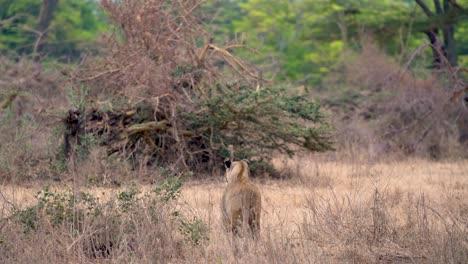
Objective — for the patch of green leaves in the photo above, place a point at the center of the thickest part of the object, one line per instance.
(128, 199)
(195, 230)
(58, 208)
(170, 188)
(259, 122)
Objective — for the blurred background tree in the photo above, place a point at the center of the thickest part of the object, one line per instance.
(64, 28)
(304, 39)
(298, 40)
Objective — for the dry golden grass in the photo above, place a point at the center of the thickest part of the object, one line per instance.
(286, 202)
(412, 211)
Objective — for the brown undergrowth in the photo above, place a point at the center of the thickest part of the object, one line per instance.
(381, 105)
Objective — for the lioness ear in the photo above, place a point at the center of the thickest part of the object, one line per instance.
(227, 163)
(246, 161)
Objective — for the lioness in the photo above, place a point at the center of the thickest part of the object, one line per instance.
(241, 203)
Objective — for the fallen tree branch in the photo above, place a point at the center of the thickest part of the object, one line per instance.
(233, 61)
(138, 128)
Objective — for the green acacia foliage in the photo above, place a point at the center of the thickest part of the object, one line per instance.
(259, 122)
(74, 23)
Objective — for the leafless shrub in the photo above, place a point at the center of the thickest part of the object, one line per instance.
(394, 110)
(27, 92)
(420, 122)
(152, 42)
(25, 86)
(153, 61)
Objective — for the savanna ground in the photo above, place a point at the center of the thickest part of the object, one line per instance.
(325, 211)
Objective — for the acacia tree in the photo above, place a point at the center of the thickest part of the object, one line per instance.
(190, 107)
(445, 17)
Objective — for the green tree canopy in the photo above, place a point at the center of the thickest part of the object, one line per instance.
(308, 36)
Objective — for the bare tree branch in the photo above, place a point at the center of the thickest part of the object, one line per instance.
(425, 8)
(11, 19)
(455, 4)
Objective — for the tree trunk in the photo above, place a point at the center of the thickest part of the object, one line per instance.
(433, 36)
(45, 17)
(449, 45)
(449, 39)
(448, 29)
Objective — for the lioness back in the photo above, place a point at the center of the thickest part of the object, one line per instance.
(241, 202)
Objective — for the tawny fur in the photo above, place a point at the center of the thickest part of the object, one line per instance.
(241, 203)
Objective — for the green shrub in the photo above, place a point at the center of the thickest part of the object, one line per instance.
(128, 199)
(195, 230)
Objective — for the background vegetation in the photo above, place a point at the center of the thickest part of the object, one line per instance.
(66, 28)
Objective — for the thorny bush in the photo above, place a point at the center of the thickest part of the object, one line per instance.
(183, 107)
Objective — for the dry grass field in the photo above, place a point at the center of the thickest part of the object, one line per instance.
(413, 211)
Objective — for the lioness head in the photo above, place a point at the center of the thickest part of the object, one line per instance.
(236, 171)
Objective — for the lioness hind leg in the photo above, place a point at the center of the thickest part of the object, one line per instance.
(254, 224)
